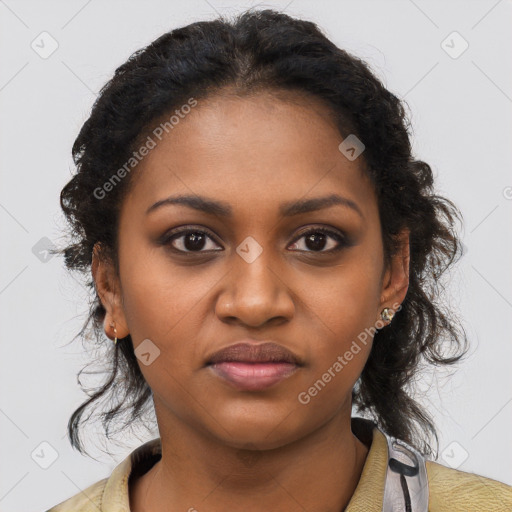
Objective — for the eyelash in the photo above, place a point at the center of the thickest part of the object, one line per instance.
(338, 237)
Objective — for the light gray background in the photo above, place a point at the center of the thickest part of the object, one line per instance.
(462, 126)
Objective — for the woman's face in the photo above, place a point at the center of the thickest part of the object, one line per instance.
(257, 269)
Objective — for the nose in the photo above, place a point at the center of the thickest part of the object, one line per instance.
(255, 294)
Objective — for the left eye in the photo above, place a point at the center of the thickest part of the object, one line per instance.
(316, 240)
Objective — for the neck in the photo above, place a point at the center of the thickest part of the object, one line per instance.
(317, 473)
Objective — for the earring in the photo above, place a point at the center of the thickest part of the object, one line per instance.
(115, 333)
(387, 315)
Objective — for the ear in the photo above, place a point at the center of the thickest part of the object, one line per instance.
(108, 289)
(395, 282)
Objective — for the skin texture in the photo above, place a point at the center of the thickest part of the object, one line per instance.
(223, 447)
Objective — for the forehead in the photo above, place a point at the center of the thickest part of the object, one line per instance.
(260, 150)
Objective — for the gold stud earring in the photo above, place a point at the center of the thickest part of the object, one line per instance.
(387, 314)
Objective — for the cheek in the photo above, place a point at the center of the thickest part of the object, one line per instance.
(162, 304)
(158, 297)
(343, 310)
(346, 300)
(165, 304)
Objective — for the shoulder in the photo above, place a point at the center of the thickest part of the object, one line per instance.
(112, 494)
(88, 500)
(453, 490)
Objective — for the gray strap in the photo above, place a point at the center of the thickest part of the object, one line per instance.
(406, 488)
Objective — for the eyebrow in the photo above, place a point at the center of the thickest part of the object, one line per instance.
(287, 209)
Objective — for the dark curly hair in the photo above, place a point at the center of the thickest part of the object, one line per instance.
(265, 50)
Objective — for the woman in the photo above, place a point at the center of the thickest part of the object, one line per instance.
(265, 252)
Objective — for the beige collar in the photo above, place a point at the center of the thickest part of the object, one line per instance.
(367, 497)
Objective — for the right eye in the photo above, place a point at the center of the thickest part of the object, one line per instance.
(189, 241)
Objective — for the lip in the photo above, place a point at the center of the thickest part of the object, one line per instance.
(252, 351)
(253, 367)
(253, 376)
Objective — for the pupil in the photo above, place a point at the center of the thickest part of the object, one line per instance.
(194, 241)
(313, 242)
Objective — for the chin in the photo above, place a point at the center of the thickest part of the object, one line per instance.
(260, 427)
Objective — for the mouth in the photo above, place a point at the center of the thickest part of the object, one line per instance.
(251, 367)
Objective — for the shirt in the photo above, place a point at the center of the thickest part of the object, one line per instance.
(450, 490)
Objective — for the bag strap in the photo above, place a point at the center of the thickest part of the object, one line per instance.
(406, 486)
